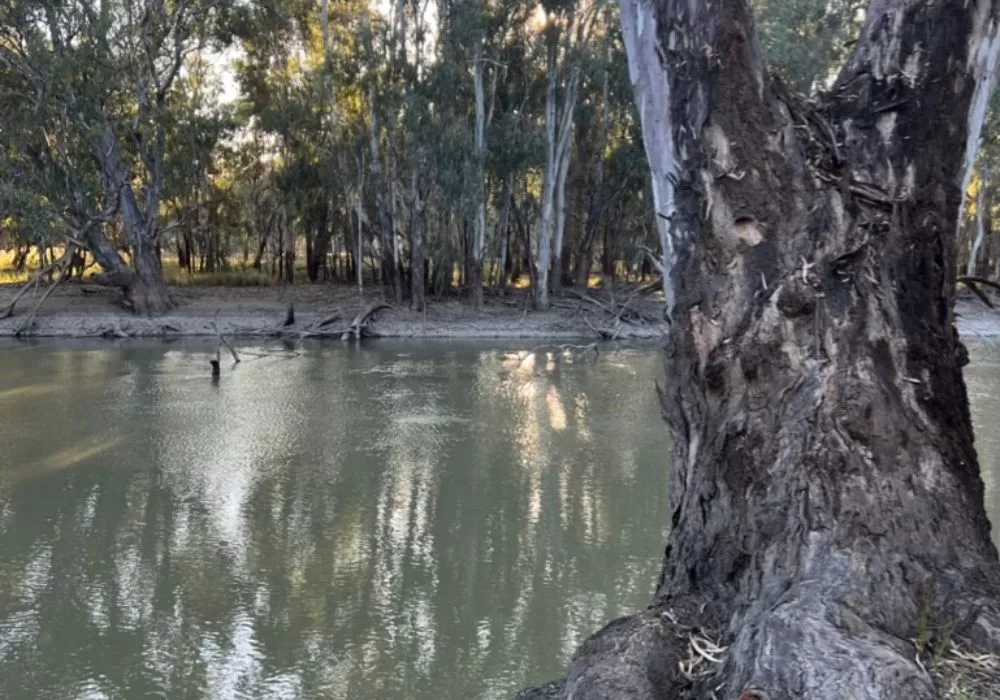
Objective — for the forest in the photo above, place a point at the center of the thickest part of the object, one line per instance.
(420, 147)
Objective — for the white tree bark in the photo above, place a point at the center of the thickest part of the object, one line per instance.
(479, 244)
(360, 259)
(651, 90)
(543, 255)
(986, 57)
(977, 244)
(564, 153)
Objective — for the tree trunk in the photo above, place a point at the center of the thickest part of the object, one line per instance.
(479, 245)
(503, 232)
(547, 222)
(319, 244)
(417, 283)
(977, 244)
(359, 254)
(597, 205)
(564, 152)
(827, 501)
(383, 194)
(146, 290)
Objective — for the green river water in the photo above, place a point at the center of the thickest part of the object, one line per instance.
(408, 520)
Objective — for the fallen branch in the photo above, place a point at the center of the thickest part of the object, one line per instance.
(29, 319)
(34, 281)
(327, 320)
(222, 341)
(973, 287)
(360, 321)
(607, 335)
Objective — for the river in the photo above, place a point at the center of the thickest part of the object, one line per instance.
(410, 520)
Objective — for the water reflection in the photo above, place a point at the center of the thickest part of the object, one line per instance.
(419, 521)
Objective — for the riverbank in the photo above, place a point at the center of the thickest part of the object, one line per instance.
(88, 311)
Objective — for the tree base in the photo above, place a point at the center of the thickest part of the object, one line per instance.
(148, 299)
(804, 648)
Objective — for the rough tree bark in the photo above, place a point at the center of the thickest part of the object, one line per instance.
(145, 287)
(826, 494)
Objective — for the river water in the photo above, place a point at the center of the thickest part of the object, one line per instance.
(409, 520)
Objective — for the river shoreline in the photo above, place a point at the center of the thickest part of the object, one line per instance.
(87, 311)
(93, 312)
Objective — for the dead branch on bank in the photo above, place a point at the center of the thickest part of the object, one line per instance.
(61, 264)
(223, 342)
(360, 323)
(972, 284)
(602, 332)
(612, 310)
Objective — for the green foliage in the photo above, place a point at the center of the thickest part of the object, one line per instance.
(806, 41)
(322, 86)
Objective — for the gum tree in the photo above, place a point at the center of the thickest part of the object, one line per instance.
(827, 500)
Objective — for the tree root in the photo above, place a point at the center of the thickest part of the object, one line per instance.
(642, 657)
(803, 647)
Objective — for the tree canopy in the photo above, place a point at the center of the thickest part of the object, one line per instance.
(427, 146)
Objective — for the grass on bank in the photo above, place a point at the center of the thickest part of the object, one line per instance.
(235, 276)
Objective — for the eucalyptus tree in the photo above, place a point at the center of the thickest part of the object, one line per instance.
(565, 28)
(86, 86)
(827, 500)
(197, 127)
(806, 42)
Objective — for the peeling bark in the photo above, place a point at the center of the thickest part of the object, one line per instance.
(825, 490)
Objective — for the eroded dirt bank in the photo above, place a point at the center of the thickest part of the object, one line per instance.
(91, 311)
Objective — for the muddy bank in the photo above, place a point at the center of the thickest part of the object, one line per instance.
(974, 319)
(89, 311)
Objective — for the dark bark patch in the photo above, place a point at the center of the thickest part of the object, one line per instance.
(715, 374)
(634, 657)
(796, 299)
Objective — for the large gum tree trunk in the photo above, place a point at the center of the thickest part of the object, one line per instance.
(827, 501)
(145, 287)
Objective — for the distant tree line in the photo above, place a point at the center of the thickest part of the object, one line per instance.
(421, 146)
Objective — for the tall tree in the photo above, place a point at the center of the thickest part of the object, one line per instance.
(826, 493)
(92, 84)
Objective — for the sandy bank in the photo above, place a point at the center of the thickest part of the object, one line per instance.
(89, 311)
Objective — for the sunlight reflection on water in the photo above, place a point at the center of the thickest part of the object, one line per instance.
(418, 520)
